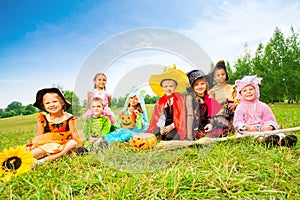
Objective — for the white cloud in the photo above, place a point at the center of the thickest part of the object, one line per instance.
(226, 28)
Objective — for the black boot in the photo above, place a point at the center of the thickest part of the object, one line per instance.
(80, 150)
(289, 141)
(272, 140)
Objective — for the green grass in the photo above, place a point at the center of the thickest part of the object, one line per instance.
(242, 169)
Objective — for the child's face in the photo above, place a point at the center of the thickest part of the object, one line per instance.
(133, 101)
(248, 93)
(169, 87)
(200, 87)
(220, 76)
(96, 108)
(100, 81)
(52, 103)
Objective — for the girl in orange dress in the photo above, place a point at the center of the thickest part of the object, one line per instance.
(56, 132)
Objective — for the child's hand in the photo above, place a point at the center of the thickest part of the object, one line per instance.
(208, 128)
(92, 140)
(266, 128)
(165, 130)
(136, 112)
(232, 106)
(251, 128)
(121, 112)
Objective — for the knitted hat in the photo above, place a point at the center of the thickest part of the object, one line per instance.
(169, 73)
(40, 94)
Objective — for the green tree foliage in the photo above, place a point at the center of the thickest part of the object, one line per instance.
(14, 106)
(29, 109)
(75, 109)
(292, 66)
(10, 113)
(121, 102)
(278, 63)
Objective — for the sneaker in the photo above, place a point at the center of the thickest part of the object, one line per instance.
(272, 140)
(80, 150)
(103, 144)
(289, 141)
(99, 146)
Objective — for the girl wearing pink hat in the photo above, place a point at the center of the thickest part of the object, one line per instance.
(253, 115)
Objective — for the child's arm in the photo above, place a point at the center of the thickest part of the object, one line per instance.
(40, 124)
(268, 118)
(238, 120)
(190, 117)
(89, 98)
(212, 93)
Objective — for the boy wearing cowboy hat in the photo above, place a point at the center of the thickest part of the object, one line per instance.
(168, 119)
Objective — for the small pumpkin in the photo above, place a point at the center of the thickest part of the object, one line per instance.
(143, 141)
(127, 121)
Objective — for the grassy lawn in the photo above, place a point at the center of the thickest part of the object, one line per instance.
(242, 169)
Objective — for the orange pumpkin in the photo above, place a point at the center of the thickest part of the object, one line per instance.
(127, 121)
(143, 141)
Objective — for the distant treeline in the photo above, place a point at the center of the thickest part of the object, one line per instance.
(16, 108)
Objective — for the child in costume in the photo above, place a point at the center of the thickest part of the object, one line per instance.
(168, 121)
(201, 107)
(97, 126)
(254, 115)
(56, 134)
(134, 108)
(225, 94)
(100, 81)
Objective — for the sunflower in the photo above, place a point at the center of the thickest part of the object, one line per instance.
(14, 162)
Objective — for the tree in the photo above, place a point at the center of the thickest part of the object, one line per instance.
(75, 109)
(243, 67)
(10, 113)
(292, 66)
(121, 102)
(278, 63)
(14, 106)
(29, 109)
(113, 102)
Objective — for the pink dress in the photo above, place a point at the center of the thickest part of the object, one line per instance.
(254, 113)
(107, 111)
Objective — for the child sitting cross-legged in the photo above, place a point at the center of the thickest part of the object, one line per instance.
(95, 127)
(56, 133)
(253, 115)
(133, 118)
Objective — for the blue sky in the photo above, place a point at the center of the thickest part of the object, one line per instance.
(46, 42)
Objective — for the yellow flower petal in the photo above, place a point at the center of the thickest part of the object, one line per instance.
(14, 162)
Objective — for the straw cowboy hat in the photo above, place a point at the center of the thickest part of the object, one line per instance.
(169, 73)
(40, 94)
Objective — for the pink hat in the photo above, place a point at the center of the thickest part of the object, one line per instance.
(248, 80)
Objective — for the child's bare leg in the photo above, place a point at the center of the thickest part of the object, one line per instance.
(38, 153)
(70, 145)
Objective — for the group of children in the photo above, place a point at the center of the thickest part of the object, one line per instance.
(203, 111)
